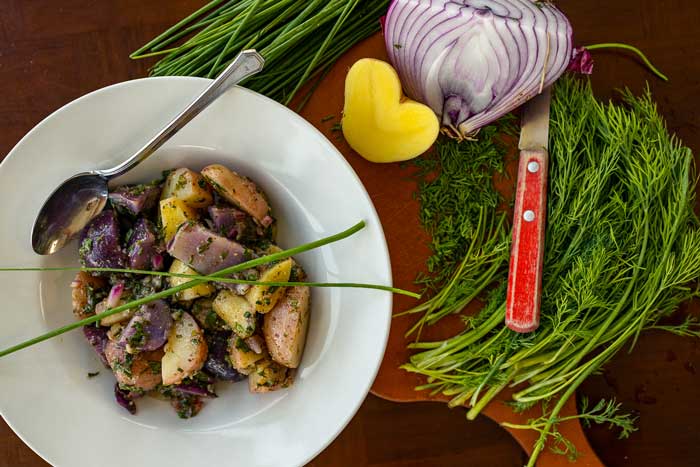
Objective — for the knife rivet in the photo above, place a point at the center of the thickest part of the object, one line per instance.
(533, 167)
(529, 216)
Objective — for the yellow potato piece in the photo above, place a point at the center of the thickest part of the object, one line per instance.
(185, 351)
(173, 213)
(378, 122)
(243, 359)
(236, 312)
(188, 186)
(202, 290)
(264, 297)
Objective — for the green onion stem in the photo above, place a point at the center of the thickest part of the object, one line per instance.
(639, 53)
(233, 37)
(224, 280)
(193, 283)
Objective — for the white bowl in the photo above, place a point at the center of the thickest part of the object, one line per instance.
(70, 420)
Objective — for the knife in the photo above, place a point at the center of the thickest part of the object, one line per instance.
(527, 249)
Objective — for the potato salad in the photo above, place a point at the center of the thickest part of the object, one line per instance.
(190, 223)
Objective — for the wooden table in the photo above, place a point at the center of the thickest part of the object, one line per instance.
(53, 52)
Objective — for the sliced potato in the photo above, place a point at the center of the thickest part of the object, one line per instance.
(238, 191)
(173, 213)
(141, 371)
(202, 290)
(236, 312)
(188, 186)
(242, 357)
(285, 326)
(269, 376)
(264, 297)
(185, 351)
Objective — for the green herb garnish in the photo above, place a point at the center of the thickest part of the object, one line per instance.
(622, 247)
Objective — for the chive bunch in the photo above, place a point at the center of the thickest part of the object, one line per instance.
(298, 39)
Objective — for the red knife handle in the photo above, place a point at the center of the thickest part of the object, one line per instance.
(527, 250)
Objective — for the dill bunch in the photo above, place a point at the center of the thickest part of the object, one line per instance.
(622, 248)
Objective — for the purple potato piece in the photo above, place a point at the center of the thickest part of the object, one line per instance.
(148, 329)
(126, 398)
(233, 223)
(194, 390)
(97, 337)
(240, 289)
(143, 246)
(206, 251)
(99, 246)
(217, 363)
(135, 199)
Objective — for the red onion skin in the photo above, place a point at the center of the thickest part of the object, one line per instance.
(115, 294)
(581, 61)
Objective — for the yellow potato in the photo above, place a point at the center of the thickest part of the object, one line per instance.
(236, 312)
(202, 290)
(378, 122)
(188, 186)
(185, 351)
(269, 376)
(264, 297)
(243, 359)
(173, 213)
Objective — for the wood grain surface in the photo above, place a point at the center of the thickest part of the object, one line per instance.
(53, 52)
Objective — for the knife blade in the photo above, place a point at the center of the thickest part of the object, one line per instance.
(527, 249)
(534, 123)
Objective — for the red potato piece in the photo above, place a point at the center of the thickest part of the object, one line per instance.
(81, 290)
(239, 191)
(141, 371)
(185, 352)
(286, 325)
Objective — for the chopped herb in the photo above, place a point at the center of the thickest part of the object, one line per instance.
(85, 247)
(155, 366)
(181, 182)
(327, 117)
(205, 246)
(93, 374)
(241, 345)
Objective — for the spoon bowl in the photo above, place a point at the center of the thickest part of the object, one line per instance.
(67, 211)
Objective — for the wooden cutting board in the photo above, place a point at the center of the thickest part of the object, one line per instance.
(391, 190)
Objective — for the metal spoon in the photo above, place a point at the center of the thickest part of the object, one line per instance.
(82, 197)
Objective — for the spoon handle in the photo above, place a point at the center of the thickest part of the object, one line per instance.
(246, 64)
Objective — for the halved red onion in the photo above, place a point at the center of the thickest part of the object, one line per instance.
(473, 61)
